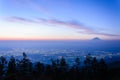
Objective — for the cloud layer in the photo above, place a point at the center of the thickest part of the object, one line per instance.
(20, 19)
(83, 29)
(71, 24)
(99, 33)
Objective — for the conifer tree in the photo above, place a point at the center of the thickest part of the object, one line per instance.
(2, 65)
(11, 66)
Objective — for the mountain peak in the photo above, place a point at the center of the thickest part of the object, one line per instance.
(96, 38)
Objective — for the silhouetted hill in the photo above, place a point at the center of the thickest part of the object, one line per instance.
(96, 38)
(59, 69)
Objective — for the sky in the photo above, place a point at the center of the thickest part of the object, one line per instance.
(59, 19)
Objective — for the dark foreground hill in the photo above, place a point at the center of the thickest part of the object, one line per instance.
(59, 69)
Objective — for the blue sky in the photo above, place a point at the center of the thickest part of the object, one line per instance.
(59, 19)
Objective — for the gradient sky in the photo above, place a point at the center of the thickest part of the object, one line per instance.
(59, 19)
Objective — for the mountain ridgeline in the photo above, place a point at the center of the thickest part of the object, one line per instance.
(96, 38)
(59, 69)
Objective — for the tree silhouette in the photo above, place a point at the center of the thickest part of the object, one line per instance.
(24, 55)
(95, 65)
(2, 65)
(77, 60)
(11, 69)
(77, 69)
(54, 63)
(88, 60)
(88, 66)
(25, 65)
(63, 69)
(63, 62)
(24, 69)
(48, 71)
(94, 68)
(39, 69)
(102, 67)
(11, 66)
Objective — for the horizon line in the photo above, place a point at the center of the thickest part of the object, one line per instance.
(54, 39)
